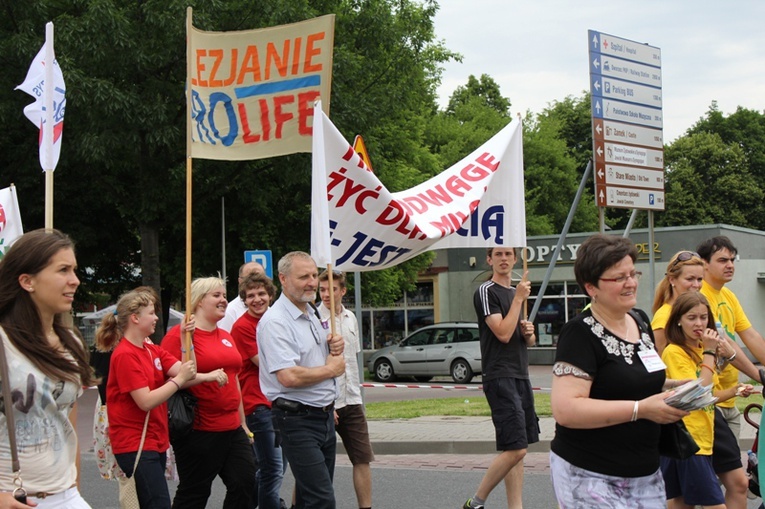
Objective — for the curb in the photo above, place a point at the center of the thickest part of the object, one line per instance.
(464, 447)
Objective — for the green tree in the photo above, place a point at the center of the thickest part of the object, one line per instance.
(709, 181)
(121, 180)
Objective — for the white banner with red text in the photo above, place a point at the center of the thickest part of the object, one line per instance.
(358, 225)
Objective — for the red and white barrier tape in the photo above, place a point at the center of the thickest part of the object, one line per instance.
(432, 386)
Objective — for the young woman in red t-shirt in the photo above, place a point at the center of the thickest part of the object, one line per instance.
(142, 376)
(220, 442)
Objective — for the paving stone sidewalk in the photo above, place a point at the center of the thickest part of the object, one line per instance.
(463, 435)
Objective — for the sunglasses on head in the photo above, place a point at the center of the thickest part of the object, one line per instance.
(683, 256)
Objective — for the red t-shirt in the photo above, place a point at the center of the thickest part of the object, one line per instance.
(133, 368)
(218, 407)
(245, 339)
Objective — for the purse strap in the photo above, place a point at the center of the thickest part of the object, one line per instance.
(9, 418)
(143, 437)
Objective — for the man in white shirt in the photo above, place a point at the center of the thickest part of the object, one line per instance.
(350, 419)
(236, 306)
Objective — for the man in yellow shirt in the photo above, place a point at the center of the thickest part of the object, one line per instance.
(719, 255)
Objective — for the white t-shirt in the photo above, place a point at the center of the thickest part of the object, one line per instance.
(236, 308)
(45, 438)
(348, 385)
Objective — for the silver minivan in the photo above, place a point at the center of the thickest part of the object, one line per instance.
(450, 348)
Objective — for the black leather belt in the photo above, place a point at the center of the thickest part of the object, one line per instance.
(289, 405)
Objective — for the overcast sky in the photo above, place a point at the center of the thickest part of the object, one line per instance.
(536, 50)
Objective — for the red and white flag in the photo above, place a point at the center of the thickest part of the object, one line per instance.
(46, 84)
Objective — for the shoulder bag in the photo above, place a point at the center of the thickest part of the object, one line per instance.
(19, 493)
(181, 410)
(128, 493)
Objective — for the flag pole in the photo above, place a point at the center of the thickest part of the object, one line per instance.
(47, 127)
(331, 299)
(524, 257)
(187, 335)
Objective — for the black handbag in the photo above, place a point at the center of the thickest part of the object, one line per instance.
(676, 442)
(181, 410)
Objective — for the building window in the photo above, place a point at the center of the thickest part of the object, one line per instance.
(560, 303)
(382, 327)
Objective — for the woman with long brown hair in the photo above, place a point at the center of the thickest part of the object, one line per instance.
(48, 366)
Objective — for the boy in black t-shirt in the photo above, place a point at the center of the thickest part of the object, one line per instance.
(505, 338)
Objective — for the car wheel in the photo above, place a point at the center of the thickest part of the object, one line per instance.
(461, 371)
(423, 379)
(384, 371)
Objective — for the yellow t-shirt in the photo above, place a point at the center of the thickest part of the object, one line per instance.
(700, 423)
(728, 311)
(661, 316)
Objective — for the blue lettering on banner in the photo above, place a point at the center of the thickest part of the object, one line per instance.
(198, 112)
(220, 97)
(486, 224)
(371, 252)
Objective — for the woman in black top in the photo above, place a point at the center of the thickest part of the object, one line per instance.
(606, 392)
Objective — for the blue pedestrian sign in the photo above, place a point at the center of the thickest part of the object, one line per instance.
(262, 257)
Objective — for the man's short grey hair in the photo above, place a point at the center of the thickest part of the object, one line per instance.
(285, 264)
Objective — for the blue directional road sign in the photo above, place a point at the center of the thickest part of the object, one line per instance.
(627, 122)
(262, 257)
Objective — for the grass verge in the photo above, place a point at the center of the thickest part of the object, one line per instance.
(477, 406)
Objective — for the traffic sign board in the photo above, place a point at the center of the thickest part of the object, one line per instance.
(626, 112)
(626, 91)
(262, 257)
(623, 48)
(627, 154)
(625, 70)
(629, 198)
(625, 81)
(608, 130)
(614, 174)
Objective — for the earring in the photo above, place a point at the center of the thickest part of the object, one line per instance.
(678, 324)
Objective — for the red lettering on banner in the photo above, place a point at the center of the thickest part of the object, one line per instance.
(350, 190)
(395, 213)
(217, 54)
(455, 184)
(292, 59)
(437, 196)
(250, 65)
(416, 205)
(305, 111)
(273, 58)
(487, 160)
(310, 52)
(472, 173)
(280, 117)
(200, 69)
(296, 57)
(450, 223)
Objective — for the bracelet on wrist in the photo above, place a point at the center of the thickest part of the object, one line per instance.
(183, 350)
(710, 352)
(730, 359)
(635, 411)
(174, 382)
